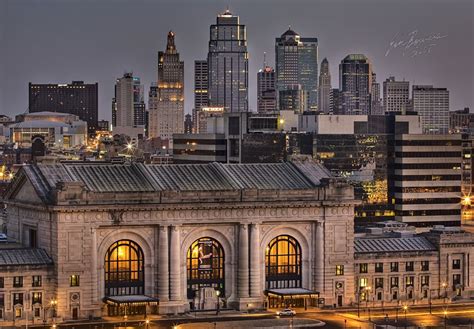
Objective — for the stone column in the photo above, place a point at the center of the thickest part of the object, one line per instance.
(243, 271)
(255, 289)
(163, 265)
(319, 258)
(175, 264)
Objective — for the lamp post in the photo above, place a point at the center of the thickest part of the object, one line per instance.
(147, 323)
(445, 285)
(218, 303)
(53, 304)
(405, 309)
(445, 318)
(367, 297)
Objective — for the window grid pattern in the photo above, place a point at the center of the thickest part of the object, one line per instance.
(283, 263)
(124, 269)
(205, 266)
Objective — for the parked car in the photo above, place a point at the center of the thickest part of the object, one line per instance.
(286, 312)
(3, 237)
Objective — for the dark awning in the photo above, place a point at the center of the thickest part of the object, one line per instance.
(292, 293)
(131, 300)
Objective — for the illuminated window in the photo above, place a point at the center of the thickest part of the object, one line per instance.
(37, 298)
(124, 269)
(363, 282)
(339, 269)
(18, 312)
(205, 266)
(74, 280)
(283, 263)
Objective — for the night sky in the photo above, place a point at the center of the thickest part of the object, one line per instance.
(57, 41)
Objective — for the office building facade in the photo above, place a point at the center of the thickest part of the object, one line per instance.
(228, 64)
(396, 95)
(76, 98)
(355, 84)
(296, 61)
(266, 92)
(128, 107)
(425, 184)
(433, 106)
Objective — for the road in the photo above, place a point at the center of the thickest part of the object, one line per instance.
(415, 317)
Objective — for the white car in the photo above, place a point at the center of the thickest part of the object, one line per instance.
(287, 312)
(3, 237)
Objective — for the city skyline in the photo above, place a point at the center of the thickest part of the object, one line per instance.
(46, 56)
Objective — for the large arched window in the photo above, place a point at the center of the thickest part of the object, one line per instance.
(283, 263)
(205, 266)
(124, 269)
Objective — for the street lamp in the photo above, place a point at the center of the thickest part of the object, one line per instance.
(147, 323)
(218, 293)
(445, 285)
(405, 309)
(445, 318)
(367, 296)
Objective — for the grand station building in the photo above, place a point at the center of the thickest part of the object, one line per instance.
(101, 239)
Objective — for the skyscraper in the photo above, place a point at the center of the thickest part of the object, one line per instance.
(167, 115)
(324, 100)
(128, 107)
(296, 61)
(395, 95)
(375, 101)
(266, 93)
(228, 64)
(76, 98)
(201, 84)
(355, 84)
(433, 106)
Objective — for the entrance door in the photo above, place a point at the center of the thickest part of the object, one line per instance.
(339, 300)
(75, 313)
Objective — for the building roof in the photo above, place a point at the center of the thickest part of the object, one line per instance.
(289, 32)
(24, 256)
(137, 177)
(387, 244)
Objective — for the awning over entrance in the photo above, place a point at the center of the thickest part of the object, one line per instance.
(134, 300)
(285, 293)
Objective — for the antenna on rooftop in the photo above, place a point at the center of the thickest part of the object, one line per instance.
(264, 59)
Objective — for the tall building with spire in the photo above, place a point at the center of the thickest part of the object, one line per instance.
(228, 64)
(324, 99)
(355, 84)
(296, 61)
(166, 112)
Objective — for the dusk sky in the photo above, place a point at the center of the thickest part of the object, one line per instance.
(53, 41)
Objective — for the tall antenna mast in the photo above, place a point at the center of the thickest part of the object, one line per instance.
(264, 59)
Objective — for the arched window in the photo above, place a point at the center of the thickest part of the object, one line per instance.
(205, 266)
(283, 263)
(124, 269)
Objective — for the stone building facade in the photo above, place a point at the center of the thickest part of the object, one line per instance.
(167, 239)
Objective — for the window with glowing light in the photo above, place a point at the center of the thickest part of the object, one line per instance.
(205, 266)
(124, 269)
(283, 263)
